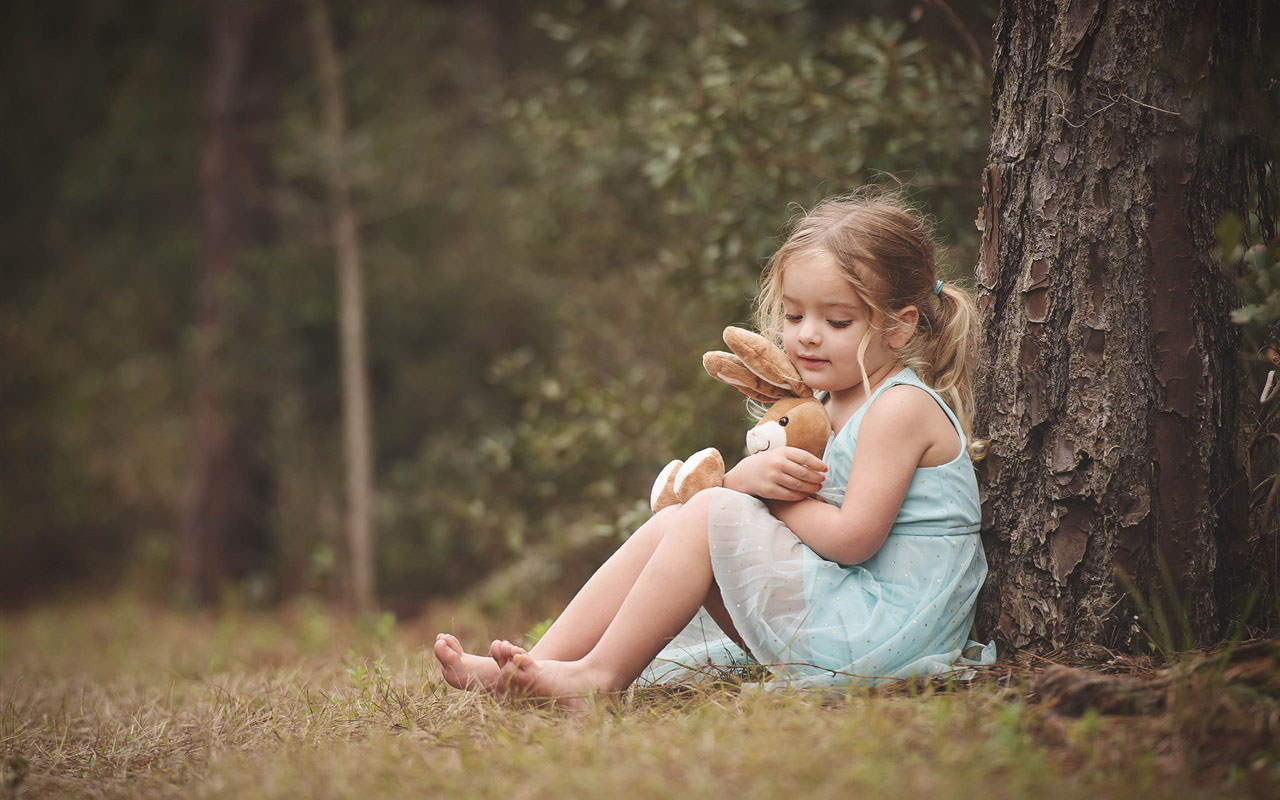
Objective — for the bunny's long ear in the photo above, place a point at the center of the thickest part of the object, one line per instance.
(728, 368)
(767, 361)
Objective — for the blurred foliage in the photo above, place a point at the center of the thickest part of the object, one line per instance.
(562, 204)
(1260, 283)
(99, 117)
(1258, 265)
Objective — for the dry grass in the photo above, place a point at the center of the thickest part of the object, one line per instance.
(118, 699)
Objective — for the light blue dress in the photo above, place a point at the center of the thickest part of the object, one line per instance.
(907, 610)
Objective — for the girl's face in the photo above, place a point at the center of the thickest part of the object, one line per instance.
(824, 327)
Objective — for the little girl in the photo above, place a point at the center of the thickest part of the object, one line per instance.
(873, 578)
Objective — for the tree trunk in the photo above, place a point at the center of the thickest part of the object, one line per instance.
(355, 387)
(1107, 387)
(228, 481)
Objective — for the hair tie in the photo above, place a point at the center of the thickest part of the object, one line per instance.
(937, 288)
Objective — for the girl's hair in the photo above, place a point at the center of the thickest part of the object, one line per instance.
(886, 250)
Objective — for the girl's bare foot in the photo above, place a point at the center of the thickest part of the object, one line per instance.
(502, 651)
(462, 669)
(569, 683)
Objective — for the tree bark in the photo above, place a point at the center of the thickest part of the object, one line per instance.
(228, 481)
(1107, 387)
(356, 424)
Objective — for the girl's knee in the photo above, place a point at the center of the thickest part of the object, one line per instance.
(656, 527)
(720, 498)
(696, 513)
(713, 503)
(673, 518)
(705, 500)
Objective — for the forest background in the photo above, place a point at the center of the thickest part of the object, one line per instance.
(561, 204)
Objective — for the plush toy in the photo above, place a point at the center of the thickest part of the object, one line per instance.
(761, 371)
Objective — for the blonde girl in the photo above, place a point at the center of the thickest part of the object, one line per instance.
(860, 566)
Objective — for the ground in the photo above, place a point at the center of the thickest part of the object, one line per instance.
(118, 698)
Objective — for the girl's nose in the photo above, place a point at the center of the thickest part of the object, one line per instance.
(809, 333)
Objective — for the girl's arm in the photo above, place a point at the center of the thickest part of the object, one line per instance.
(897, 432)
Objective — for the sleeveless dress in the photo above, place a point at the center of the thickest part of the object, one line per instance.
(907, 610)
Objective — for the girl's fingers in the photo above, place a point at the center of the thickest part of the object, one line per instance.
(789, 459)
(799, 479)
(805, 475)
(787, 488)
(806, 459)
(798, 487)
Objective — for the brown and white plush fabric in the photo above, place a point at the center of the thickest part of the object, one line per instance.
(762, 371)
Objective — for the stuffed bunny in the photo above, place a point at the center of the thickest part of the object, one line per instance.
(761, 371)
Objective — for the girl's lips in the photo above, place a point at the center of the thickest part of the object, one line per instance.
(810, 361)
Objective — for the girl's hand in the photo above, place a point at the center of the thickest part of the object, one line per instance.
(786, 473)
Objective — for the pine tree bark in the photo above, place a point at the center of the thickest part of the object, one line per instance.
(1107, 387)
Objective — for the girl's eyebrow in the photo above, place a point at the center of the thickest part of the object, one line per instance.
(836, 306)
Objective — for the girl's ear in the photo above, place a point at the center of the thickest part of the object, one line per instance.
(903, 327)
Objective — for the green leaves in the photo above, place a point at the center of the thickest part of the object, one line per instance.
(1260, 281)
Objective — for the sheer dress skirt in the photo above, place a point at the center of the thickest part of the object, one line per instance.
(906, 611)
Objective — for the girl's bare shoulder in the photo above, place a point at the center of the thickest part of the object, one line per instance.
(911, 417)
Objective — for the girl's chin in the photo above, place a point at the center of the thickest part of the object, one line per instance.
(825, 381)
(817, 382)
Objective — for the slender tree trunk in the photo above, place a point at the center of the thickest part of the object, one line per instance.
(355, 388)
(1108, 382)
(227, 484)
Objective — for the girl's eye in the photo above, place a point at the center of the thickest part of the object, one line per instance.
(791, 317)
(839, 323)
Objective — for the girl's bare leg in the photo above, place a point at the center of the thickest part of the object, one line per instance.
(671, 586)
(578, 627)
(589, 613)
(502, 651)
(714, 604)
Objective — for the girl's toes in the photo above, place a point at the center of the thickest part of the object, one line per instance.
(522, 665)
(450, 663)
(450, 641)
(522, 673)
(443, 652)
(503, 651)
(514, 651)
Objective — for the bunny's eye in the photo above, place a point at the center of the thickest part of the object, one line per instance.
(783, 422)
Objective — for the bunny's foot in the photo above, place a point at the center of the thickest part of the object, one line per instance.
(664, 488)
(703, 470)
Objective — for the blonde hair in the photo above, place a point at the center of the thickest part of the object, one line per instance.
(886, 250)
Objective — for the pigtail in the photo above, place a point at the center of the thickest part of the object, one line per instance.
(948, 351)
